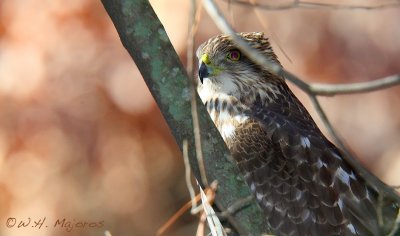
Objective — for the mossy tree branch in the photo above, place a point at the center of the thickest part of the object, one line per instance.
(145, 39)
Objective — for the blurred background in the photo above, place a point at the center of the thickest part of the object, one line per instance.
(82, 140)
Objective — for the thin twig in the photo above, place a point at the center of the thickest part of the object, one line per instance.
(193, 198)
(363, 87)
(230, 12)
(207, 198)
(316, 5)
(195, 116)
(202, 225)
(188, 178)
(340, 89)
(327, 123)
(263, 23)
(210, 192)
(173, 219)
(194, 17)
(236, 206)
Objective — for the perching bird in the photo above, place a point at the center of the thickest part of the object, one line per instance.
(299, 178)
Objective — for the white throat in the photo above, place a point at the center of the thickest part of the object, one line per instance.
(224, 87)
(222, 106)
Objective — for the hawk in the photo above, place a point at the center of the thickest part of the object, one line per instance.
(298, 177)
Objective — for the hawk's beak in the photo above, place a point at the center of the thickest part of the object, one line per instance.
(203, 71)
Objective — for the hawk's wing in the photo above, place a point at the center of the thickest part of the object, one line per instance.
(300, 179)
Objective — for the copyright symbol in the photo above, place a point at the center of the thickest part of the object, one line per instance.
(11, 222)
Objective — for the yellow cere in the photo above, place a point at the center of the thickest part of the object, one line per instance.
(205, 59)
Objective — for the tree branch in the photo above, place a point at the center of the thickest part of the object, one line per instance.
(146, 41)
(363, 87)
(316, 5)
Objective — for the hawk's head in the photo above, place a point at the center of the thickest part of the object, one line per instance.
(225, 70)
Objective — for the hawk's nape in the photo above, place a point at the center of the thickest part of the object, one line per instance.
(299, 178)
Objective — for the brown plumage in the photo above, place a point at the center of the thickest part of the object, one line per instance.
(298, 177)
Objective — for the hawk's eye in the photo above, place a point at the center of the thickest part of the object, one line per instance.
(233, 55)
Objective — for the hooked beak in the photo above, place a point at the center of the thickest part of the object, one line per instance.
(203, 71)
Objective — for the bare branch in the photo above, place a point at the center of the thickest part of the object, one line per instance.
(275, 38)
(192, 83)
(327, 123)
(214, 223)
(188, 176)
(316, 5)
(236, 206)
(330, 90)
(318, 89)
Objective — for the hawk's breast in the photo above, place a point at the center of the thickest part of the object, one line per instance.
(227, 115)
(227, 126)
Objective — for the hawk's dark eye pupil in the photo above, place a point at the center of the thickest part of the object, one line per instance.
(234, 55)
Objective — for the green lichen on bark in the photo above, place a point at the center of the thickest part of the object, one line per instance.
(145, 39)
